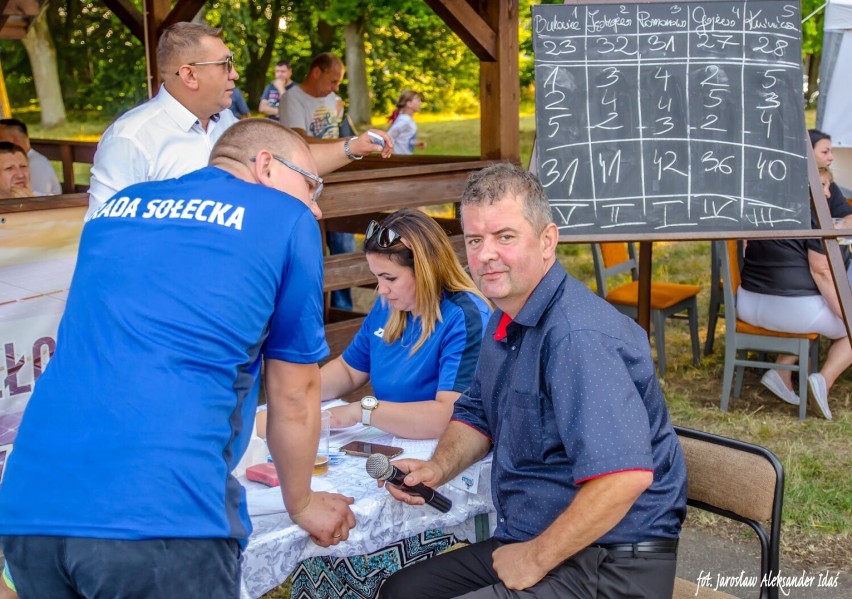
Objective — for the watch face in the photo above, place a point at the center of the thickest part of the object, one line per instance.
(369, 402)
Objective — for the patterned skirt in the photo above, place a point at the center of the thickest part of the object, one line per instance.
(361, 576)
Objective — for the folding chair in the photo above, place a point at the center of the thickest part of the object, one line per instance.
(740, 481)
(741, 337)
(668, 300)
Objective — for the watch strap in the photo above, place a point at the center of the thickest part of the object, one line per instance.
(347, 150)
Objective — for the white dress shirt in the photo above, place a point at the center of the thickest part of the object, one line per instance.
(160, 139)
(43, 180)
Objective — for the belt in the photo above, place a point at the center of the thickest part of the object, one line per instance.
(658, 546)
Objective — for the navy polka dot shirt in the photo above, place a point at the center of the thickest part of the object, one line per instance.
(567, 392)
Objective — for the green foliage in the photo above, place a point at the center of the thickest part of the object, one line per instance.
(101, 65)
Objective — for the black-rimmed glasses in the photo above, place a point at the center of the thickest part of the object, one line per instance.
(228, 63)
(386, 236)
(317, 181)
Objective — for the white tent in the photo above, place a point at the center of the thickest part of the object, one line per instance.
(834, 107)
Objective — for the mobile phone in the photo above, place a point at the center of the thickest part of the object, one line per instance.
(365, 449)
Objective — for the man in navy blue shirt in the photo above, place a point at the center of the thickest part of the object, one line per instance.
(181, 289)
(589, 481)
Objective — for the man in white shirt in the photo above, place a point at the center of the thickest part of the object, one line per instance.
(172, 134)
(42, 175)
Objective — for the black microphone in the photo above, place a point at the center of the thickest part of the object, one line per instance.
(380, 468)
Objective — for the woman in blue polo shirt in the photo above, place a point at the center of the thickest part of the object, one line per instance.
(419, 344)
(418, 347)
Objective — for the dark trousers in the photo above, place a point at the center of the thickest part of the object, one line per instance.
(591, 573)
(71, 568)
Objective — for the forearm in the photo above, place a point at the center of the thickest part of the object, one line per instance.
(268, 109)
(459, 447)
(818, 264)
(825, 284)
(413, 420)
(293, 434)
(338, 379)
(600, 504)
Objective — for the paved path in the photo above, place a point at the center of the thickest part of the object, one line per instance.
(704, 554)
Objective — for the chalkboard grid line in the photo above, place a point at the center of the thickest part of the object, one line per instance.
(688, 130)
(672, 32)
(641, 128)
(589, 120)
(653, 62)
(708, 141)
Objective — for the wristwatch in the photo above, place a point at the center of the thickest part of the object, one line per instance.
(368, 404)
(348, 152)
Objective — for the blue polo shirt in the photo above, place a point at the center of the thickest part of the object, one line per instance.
(568, 392)
(180, 288)
(445, 362)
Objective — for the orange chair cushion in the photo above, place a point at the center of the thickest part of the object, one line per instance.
(663, 295)
(748, 329)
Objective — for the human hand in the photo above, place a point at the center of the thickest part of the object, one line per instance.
(345, 416)
(418, 471)
(421, 145)
(326, 517)
(517, 565)
(363, 145)
(21, 191)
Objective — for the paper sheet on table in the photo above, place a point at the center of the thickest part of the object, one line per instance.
(261, 500)
(342, 436)
(422, 449)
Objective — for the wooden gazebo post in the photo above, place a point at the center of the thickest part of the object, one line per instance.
(490, 29)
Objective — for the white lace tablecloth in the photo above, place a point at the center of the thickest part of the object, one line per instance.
(277, 545)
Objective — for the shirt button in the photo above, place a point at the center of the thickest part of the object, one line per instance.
(502, 520)
(513, 348)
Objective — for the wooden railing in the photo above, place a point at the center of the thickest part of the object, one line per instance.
(353, 196)
(67, 152)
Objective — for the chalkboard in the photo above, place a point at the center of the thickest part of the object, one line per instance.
(671, 118)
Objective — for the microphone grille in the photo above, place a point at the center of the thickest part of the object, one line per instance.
(378, 466)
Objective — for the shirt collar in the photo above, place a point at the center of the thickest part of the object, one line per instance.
(542, 295)
(177, 111)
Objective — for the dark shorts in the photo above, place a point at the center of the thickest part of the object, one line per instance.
(70, 567)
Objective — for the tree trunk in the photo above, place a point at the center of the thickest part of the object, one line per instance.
(813, 78)
(42, 55)
(356, 66)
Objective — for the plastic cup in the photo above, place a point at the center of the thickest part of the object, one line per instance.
(321, 461)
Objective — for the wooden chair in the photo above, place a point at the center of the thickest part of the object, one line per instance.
(668, 300)
(740, 481)
(740, 338)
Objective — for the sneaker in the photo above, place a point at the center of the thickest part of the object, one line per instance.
(773, 381)
(817, 384)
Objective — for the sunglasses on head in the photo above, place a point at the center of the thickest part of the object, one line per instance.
(386, 236)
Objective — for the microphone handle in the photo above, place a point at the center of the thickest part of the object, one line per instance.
(432, 497)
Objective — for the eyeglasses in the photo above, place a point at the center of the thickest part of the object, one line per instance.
(317, 181)
(386, 236)
(228, 63)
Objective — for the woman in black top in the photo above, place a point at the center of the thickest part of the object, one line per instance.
(787, 287)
